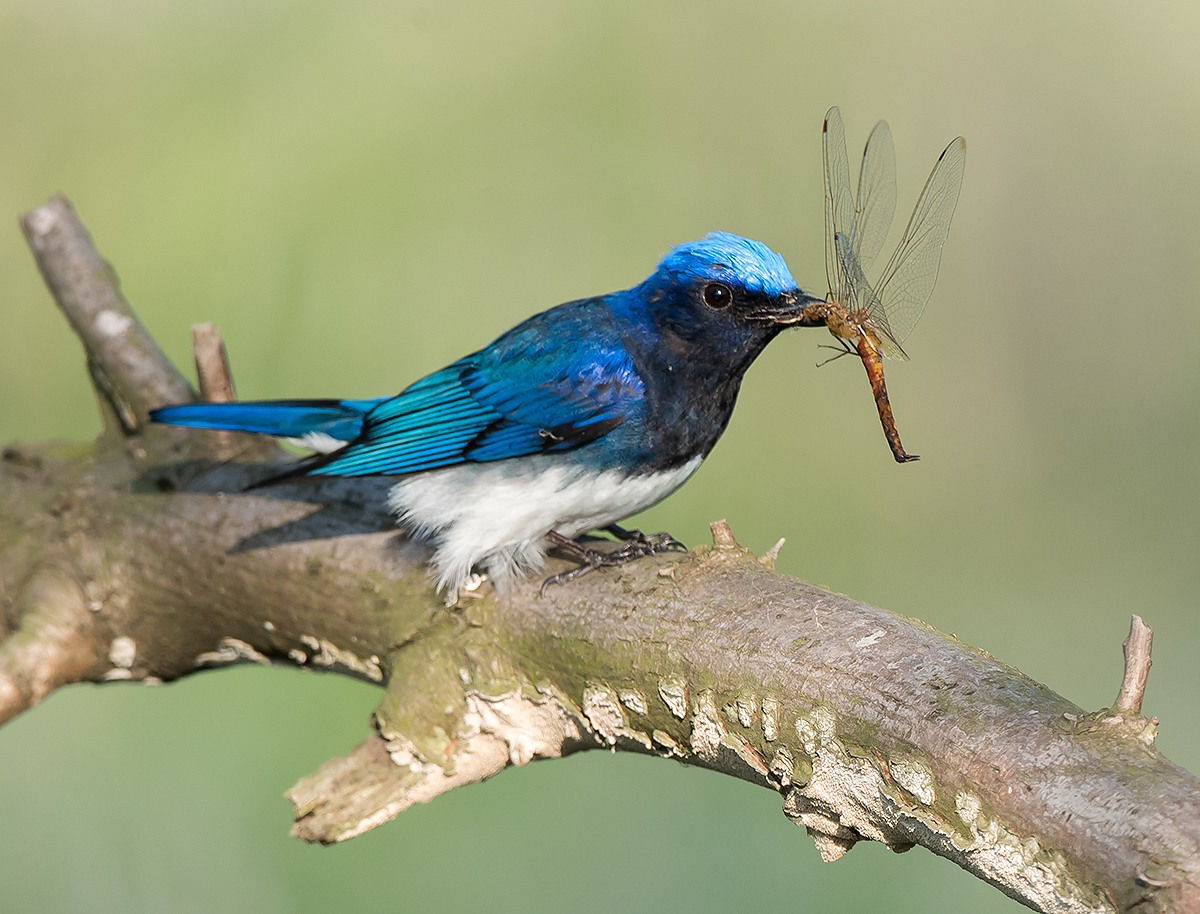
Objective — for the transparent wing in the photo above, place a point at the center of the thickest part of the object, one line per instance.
(868, 301)
(876, 196)
(839, 202)
(908, 280)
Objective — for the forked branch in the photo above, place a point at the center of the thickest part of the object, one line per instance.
(145, 560)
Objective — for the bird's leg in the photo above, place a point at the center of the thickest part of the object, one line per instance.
(637, 545)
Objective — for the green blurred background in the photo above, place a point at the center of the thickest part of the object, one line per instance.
(358, 193)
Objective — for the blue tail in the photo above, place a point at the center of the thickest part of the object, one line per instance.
(339, 419)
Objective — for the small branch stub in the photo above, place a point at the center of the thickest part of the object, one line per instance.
(212, 365)
(722, 535)
(1137, 666)
(768, 558)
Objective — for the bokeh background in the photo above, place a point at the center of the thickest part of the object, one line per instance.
(360, 192)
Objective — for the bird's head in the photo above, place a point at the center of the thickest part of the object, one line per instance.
(740, 279)
(727, 290)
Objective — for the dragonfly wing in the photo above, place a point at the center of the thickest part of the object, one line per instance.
(867, 300)
(839, 201)
(876, 204)
(888, 345)
(908, 280)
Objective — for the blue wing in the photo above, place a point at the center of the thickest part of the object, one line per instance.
(490, 406)
(557, 381)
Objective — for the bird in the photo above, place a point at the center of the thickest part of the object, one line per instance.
(571, 421)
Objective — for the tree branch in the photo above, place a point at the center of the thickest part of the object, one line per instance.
(150, 562)
(52, 644)
(128, 366)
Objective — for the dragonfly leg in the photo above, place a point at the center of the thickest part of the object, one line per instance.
(839, 351)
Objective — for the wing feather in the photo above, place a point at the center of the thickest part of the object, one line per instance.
(492, 407)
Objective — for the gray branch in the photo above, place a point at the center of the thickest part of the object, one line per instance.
(147, 562)
(128, 366)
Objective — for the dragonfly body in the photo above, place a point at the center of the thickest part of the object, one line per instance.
(852, 329)
(868, 351)
(871, 321)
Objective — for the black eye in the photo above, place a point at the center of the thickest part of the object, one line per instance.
(717, 295)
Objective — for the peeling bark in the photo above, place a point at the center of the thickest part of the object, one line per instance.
(141, 558)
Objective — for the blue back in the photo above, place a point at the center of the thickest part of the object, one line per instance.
(645, 378)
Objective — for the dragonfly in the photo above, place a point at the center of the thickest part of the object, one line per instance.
(871, 321)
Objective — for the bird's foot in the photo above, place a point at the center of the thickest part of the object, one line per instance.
(661, 542)
(637, 545)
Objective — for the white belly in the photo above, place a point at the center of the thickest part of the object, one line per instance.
(497, 515)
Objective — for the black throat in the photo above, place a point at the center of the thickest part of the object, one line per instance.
(691, 386)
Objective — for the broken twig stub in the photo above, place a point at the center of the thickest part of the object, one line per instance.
(1137, 666)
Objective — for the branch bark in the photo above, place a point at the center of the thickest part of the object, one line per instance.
(143, 559)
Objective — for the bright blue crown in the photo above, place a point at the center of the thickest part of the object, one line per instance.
(736, 260)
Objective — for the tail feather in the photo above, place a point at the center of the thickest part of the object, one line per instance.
(339, 419)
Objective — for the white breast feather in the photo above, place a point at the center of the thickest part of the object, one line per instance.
(497, 515)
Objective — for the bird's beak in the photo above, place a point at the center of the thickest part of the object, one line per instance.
(795, 309)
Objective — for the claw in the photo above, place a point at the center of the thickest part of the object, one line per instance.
(565, 577)
(662, 540)
(668, 543)
(637, 545)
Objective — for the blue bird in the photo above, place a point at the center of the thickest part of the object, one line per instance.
(574, 419)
